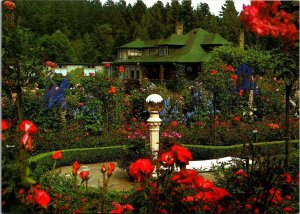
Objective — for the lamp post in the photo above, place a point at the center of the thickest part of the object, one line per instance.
(154, 104)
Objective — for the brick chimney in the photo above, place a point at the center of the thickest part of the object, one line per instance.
(179, 28)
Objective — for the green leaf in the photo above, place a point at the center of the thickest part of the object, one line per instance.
(29, 181)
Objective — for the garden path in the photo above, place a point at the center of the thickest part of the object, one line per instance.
(119, 179)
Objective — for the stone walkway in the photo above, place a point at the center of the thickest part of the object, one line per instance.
(118, 181)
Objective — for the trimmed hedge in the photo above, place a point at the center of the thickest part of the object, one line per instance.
(83, 155)
(201, 152)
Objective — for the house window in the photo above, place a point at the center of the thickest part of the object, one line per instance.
(134, 52)
(163, 50)
(151, 52)
(122, 54)
(138, 74)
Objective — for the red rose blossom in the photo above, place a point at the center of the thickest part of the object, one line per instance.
(42, 198)
(111, 168)
(167, 159)
(9, 5)
(28, 126)
(141, 168)
(213, 72)
(112, 90)
(57, 155)
(181, 154)
(84, 175)
(5, 125)
(76, 166)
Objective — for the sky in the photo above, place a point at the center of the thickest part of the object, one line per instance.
(214, 5)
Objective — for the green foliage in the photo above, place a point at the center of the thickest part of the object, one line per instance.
(257, 59)
(75, 76)
(91, 116)
(57, 47)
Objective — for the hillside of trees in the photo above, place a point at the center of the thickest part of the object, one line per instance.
(89, 31)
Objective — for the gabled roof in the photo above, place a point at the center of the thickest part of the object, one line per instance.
(191, 52)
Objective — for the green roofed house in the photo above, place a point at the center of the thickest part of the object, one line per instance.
(156, 59)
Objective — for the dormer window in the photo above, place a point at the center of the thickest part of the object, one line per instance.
(163, 50)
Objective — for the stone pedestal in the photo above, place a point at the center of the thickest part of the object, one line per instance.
(154, 123)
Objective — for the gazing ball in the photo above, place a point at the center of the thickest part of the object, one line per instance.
(154, 103)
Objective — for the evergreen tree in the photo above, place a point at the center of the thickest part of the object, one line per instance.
(187, 15)
(230, 22)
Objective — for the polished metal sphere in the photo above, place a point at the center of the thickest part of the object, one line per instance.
(154, 103)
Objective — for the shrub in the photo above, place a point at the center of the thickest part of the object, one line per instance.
(83, 155)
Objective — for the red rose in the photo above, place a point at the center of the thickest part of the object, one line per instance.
(103, 169)
(213, 72)
(273, 126)
(84, 175)
(181, 154)
(51, 64)
(112, 90)
(141, 168)
(26, 141)
(106, 65)
(288, 209)
(9, 5)
(241, 92)
(234, 78)
(237, 118)
(174, 123)
(57, 155)
(229, 68)
(167, 159)
(121, 69)
(185, 176)
(28, 126)
(111, 168)
(42, 198)
(5, 125)
(76, 166)
(241, 172)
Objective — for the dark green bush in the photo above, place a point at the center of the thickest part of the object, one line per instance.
(83, 155)
(201, 152)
